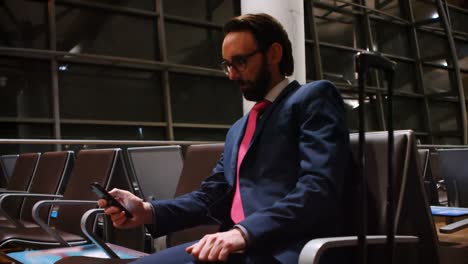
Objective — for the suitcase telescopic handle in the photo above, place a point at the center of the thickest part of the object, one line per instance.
(366, 60)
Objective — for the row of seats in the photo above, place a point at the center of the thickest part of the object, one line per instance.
(58, 174)
(446, 175)
(53, 175)
(416, 239)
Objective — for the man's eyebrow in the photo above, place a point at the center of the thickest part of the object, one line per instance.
(235, 57)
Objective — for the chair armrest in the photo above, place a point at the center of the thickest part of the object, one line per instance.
(13, 220)
(45, 226)
(92, 236)
(454, 227)
(314, 249)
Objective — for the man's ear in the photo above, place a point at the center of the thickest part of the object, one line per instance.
(275, 53)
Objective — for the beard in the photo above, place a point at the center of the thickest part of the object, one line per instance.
(257, 89)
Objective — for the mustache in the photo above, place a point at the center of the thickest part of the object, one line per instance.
(243, 82)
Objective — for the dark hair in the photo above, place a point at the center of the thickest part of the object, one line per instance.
(266, 31)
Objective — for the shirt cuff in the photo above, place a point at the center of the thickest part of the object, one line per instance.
(244, 233)
(152, 227)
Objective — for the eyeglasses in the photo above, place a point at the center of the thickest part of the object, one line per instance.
(239, 62)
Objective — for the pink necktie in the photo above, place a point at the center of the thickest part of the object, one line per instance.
(237, 211)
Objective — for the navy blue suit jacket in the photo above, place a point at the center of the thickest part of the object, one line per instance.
(291, 177)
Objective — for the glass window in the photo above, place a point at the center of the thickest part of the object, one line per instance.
(434, 48)
(199, 99)
(447, 140)
(108, 93)
(208, 10)
(351, 103)
(310, 62)
(99, 32)
(459, 19)
(200, 134)
(408, 113)
(462, 53)
(138, 4)
(390, 38)
(444, 116)
(337, 28)
(391, 7)
(24, 88)
(23, 24)
(405, 77)
(19, 130)
(438, 81)
(112, 132)
(338, 65)
(193, 45)
(22, 131)
(426, 10)
(333, 4)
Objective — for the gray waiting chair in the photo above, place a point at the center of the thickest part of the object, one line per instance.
(7, 166)
(156, 170)
(416, 240)
(199, 162)
(50, 178)
(96, 165)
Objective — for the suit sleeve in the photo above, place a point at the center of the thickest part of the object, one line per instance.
(324, 157)
(194, 208)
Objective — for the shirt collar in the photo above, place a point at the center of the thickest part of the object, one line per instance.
(275, 91)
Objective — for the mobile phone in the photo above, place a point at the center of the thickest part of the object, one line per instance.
(111, 201)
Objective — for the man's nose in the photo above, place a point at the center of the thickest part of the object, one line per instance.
(233, 74)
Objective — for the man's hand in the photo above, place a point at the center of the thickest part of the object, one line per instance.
(217, 247)
(142, 212)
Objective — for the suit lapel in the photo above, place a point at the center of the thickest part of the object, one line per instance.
(260, 125)
(266, 115)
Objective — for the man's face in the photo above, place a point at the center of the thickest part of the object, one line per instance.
(247, 65)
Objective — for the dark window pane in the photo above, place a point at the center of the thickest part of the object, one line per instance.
(351, 104)
(444, 116)
(200, 134)
(390, 6)
(310, 62)
(100, 32)
(138, 4)
(198, 99)
(24, 88)
(422, 139)
(434, 48)
(447, 140)
(333, 4)
(459, 19)
(23, 24)
(390, 38)
(438, 81)
(112, 132)
(214, 11)
(194, 46)
(462, 53)
(92, 92)
(337, 28)
(17, 130)
(425, 10)
(338, 65)
(408, 113)
(405, 77)
(25, 131)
